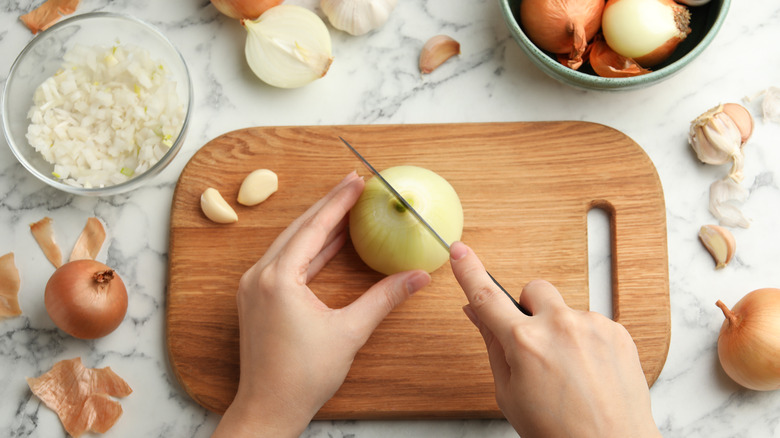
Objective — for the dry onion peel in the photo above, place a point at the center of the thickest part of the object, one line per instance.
(81, 396)
(609, 64)
(646, 31)
(9, 287)
(43, 232)
(45, 15)
(748, 343)
(90, 241)
(562, 27)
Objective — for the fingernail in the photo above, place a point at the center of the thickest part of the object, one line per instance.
(349, 176)
(458, 250)
(417, 281)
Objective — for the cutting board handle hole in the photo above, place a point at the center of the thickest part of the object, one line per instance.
(600, 260)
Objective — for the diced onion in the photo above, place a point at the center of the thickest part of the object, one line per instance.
(110, 113)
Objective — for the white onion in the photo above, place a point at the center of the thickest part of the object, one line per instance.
(388, 238)
(646, 31)
(108, 114)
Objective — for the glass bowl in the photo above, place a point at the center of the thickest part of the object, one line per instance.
(706, 21)
(43, 57)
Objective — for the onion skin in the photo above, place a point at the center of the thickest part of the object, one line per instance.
(562, 26)
(86, 299)
(749, 340)
(244, 9)
(646, 31)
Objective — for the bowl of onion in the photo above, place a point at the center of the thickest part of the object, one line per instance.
(614, 44)
(97, 104)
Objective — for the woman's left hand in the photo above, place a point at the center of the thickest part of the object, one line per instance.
(296, 351)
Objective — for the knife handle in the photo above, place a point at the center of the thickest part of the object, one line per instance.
(519, 307)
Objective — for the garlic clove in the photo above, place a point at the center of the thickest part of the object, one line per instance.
(717, 139)
(437, 50)
(357, 17)
(741, 117)
(770, 105)
(216, 208)
(257, 187)
(726, 197)
(719, 242)
(288, 46)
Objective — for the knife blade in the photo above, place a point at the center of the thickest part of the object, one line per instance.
(421, 219)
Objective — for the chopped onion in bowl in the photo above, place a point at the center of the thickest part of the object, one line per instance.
(108, 114)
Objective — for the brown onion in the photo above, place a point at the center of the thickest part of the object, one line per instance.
(244, 9)
(86, 299)
(562, 26)
(749, 340)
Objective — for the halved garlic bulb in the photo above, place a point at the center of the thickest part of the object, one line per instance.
(357, 17)
(288, 46)
(717, 139)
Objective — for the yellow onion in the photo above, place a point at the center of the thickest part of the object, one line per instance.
(646, 31)
(86, 299)
(749, 340)
(244, 9)
(562, 27)
(388, 238)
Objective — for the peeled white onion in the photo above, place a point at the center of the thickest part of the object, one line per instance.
(388, 238)
(646, 31)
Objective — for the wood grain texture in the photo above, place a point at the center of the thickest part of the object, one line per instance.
(526, 189)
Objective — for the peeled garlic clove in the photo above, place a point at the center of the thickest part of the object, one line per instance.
(288, 46)
(437, 50)
(726, 197)
(719, 242)
(741, 117)
(257, 187)
(216, 208)
(717, 139)
(357, 17)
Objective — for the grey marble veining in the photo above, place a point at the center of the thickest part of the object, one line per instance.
(374, 80)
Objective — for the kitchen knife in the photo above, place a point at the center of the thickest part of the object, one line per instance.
(422, 220)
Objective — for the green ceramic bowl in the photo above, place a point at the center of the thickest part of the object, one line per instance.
(706, 21)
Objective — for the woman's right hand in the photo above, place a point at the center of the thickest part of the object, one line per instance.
(558, 373)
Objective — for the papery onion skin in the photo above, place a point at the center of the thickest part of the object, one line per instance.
(86, 299)
(390, 239)
(646, 31)
(749, 340)
(562, 26)
(244, 9)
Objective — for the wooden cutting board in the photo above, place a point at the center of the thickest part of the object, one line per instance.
(526, 189)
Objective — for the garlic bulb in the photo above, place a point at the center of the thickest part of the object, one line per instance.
(357, 17)
(717, 139)
(288, 46)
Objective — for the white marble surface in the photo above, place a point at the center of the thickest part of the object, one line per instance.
(374, 79)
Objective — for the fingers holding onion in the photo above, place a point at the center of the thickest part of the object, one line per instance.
(86, 299)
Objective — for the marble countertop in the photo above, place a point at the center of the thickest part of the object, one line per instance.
(374, 80)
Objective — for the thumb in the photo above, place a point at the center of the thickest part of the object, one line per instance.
(366, 312)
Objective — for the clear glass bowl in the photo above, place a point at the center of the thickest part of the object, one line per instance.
(43, 56)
